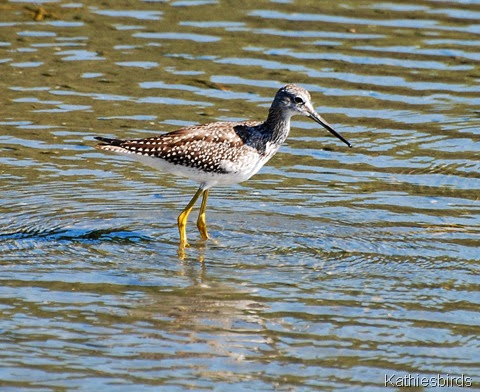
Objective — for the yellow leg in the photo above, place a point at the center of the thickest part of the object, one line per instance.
(201, 221)
(182, 219)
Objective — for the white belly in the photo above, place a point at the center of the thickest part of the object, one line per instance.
(236, 171)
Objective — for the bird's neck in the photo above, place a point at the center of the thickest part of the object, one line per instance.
(277, 124)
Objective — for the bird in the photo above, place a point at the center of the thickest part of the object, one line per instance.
(220, 153)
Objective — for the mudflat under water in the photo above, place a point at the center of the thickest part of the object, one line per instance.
(331, 269)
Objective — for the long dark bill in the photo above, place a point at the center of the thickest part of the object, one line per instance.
(317, 118)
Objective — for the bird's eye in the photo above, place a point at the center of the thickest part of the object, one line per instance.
(298, 100)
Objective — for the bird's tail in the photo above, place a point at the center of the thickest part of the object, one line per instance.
(108, 142)
(114, 145)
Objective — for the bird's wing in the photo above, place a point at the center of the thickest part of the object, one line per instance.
(205, 147)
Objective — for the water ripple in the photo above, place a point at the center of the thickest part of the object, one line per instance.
(327, 270)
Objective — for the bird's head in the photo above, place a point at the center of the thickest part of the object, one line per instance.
(295, 100)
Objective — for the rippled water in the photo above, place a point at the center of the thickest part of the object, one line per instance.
(330, 269)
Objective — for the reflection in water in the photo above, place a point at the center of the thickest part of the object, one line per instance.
(206, 318)
(330, 268)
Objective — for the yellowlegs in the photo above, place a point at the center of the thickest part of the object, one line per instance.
(220, 153)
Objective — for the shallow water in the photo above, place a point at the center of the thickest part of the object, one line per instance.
(330, 269)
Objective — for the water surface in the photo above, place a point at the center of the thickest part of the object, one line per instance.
(330, 269)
